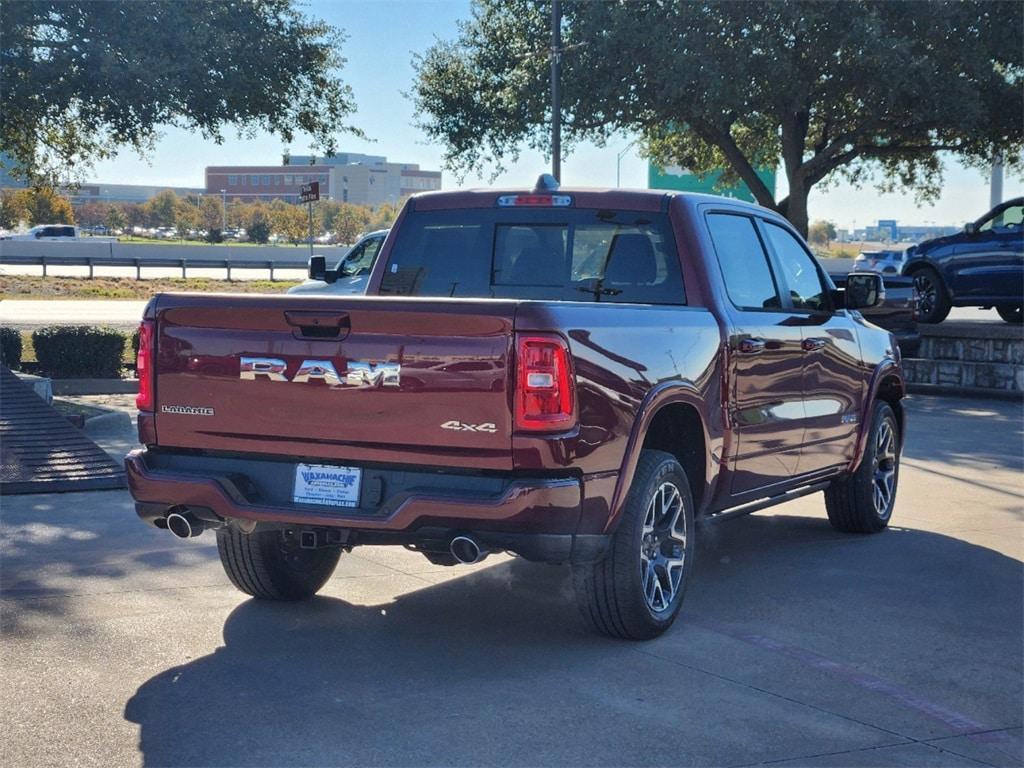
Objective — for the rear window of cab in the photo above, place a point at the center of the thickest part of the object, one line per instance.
(555, 254)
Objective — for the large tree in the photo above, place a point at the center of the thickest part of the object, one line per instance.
(83, 78)
(852, 88)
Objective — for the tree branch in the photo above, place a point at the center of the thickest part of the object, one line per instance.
(724, 141)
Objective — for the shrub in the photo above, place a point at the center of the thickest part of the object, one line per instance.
(71, 351)
(10, 348)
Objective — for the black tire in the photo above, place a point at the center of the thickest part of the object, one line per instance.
(933, 303)
(1011, 313)
(862, 502)
(271, 565)
(611, 593)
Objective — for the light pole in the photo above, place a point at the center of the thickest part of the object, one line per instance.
(618, 161)
(556, 95)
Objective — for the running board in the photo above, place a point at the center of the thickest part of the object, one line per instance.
(757, 506)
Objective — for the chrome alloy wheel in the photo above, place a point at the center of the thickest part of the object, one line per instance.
(927, 293)
(884, 469)
(663, 547)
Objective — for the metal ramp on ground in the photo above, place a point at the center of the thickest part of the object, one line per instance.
(42, 452)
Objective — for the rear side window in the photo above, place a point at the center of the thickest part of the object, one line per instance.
(561, 255)
(745, 271)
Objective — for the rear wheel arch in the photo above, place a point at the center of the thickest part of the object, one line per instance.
(669, 413)
(678, 429)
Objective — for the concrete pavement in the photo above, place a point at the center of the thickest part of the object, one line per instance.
(797, 645)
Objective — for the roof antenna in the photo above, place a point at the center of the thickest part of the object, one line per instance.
(546, 183)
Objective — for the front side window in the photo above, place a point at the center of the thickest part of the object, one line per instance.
(799, 271)
(1007, 220)
(745, 271)
(545, 254)
(360, 261)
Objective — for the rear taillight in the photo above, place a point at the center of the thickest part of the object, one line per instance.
(544, 384)
(144, 366)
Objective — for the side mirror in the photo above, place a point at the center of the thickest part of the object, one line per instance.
(864, 290)
(970, 228)
(318, 268)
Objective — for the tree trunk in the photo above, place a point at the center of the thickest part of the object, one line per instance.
(794, 208)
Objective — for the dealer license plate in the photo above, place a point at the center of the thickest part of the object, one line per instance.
(327, 485)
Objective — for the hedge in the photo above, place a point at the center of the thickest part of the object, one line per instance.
(10, 348)
(79, 351)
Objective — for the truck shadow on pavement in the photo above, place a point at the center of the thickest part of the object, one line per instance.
(496, 668)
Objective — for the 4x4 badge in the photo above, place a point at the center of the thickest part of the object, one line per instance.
(461, 426)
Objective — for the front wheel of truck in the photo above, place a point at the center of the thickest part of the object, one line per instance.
(271, 565)
(636, 591)
(863, 501)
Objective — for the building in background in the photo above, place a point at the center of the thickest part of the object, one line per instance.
(347, 177)
(891, 231)
(97, 192)
(681, 180)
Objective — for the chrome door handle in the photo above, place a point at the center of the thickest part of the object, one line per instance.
(751, 346)
(813, 343)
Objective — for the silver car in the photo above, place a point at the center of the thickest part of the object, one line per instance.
(351, 273)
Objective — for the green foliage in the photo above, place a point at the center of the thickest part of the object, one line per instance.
(114, 218)
(162, 209)
(856, 89)
(211, 214)
(83, 79)
(13, 209)
(41, 205)
(73, 351)
(10, 348)
(290, 221)
(257, 226)
(821, 232)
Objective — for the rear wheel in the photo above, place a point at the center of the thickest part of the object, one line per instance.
(863, 501)
(636, 591)
(271, 564)
(933, 302)
(1011, 313)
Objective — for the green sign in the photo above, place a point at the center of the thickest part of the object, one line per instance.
(681, 180)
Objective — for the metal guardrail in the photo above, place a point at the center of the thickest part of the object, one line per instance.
(118, 261)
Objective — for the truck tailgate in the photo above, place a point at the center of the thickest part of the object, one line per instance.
(420, 380)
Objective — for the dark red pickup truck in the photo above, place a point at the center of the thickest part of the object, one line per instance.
(575, 376)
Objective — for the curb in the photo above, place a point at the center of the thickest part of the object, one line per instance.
(95, 386)
(972, 392)
(105, 423)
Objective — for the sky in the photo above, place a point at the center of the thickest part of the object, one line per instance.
(383, 35)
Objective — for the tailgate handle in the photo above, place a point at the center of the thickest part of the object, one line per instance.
(310, 324)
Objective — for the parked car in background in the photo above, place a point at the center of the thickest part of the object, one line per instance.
(883, 262)
(350, 274)
(982, 266)
(897, 313)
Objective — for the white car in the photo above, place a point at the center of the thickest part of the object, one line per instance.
(54, 233)
(351, 273)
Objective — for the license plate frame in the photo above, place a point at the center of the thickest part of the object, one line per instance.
(327, 485)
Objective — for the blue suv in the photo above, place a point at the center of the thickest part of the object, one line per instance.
(982, 266)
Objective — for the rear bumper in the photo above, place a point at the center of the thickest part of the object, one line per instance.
(535, 517)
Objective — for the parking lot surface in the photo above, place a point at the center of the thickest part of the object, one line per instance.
(797, 645)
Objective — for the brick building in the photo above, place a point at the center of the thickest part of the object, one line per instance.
(347, 177)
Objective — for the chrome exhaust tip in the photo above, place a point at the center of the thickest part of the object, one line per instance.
(184, 525)
(467, 551)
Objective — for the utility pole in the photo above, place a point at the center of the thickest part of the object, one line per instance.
(996, 186)
(556, 94)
